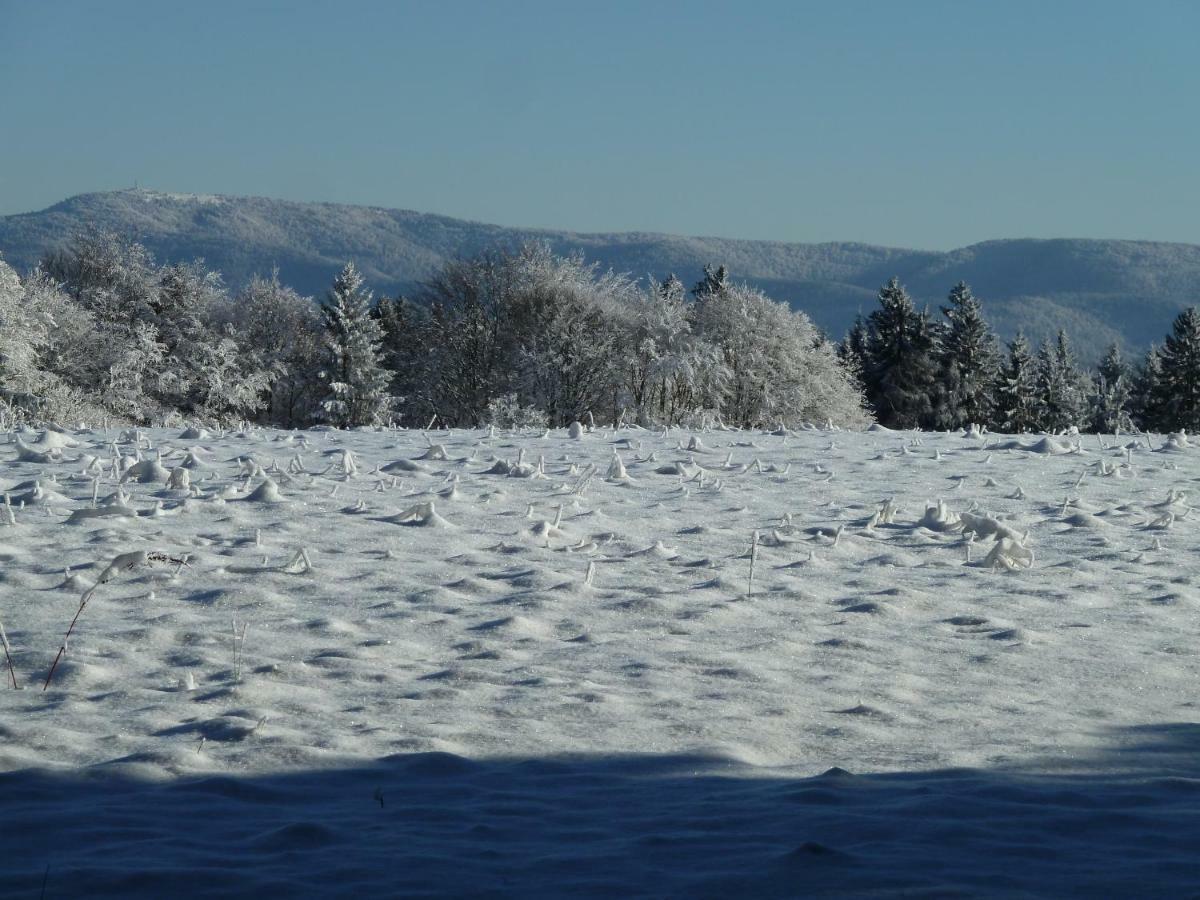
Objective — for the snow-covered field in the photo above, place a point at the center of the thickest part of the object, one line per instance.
(381, 663)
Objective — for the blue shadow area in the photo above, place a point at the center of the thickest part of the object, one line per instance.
(435, 825)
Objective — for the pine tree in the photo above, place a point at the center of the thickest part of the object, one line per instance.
(714, 282)
(1016, 407)
(1111, 395)
(901, 378)
(1060, 386)
(1147, 412)
(354, 374)
(1178, 388)
(968, 360)
(852, 350)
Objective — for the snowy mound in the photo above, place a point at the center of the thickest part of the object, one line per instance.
(402, 465)
(55, 440)
(423, 515)
(267, 492)
(1177, 441)
(1047, 446)
(148, 471)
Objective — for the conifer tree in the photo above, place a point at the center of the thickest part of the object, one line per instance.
(901, 378)
(1060, 386)
(852, 351)
(969, 362)
(714, 282)
(354, 372)
(1147, 413)
(1178, 389)
(1111, 395)
(1016, 407)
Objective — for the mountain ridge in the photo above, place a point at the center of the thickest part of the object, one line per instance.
(1100, 290)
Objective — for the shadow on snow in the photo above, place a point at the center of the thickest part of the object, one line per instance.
(1126, 823)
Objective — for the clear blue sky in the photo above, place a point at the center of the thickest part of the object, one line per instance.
(915, 124)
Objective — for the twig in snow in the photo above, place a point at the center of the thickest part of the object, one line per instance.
(8, 656)
(753, 557)
(83, 602)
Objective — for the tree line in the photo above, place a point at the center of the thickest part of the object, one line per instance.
(918, 372)
(527, 338)
(521, 338)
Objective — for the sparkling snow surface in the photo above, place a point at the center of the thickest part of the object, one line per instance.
(498, 664)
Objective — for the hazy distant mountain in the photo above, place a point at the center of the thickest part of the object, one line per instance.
(1099, 290)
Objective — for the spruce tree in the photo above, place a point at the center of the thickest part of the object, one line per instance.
(852, 350)
(1016, 409)
(1147, 414)
(1178, 389)
(1111, 395)
(715, 281)
(901, 378)
(968, 360)
(1060, 386)
(357, 380)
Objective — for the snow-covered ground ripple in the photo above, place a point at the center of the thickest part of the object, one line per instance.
(631, 662)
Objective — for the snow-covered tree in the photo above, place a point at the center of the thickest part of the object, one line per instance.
(968, 362)
(1146, 400)
(73, 347)
(161, 348)
(1110, 399)
(1061, 387)
(113, 277)
(666, 363)
(233, 386)
(42, 332)
(715, 280)
(406, 353)
(197, 367)
(22, 336)
(549, 330)
(852, 350)
(1017, 409)
(901, 381)
(469, 356)
(356, 379)
(1177, 391)
(116, 281)
(284, 335)
(777, 369)
(133, 375)
(565, 324)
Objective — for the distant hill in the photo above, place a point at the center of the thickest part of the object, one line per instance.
(1099, 290)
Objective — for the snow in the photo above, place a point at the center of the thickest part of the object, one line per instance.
(947, 664)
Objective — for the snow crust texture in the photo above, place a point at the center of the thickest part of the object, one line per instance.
(597, 662)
